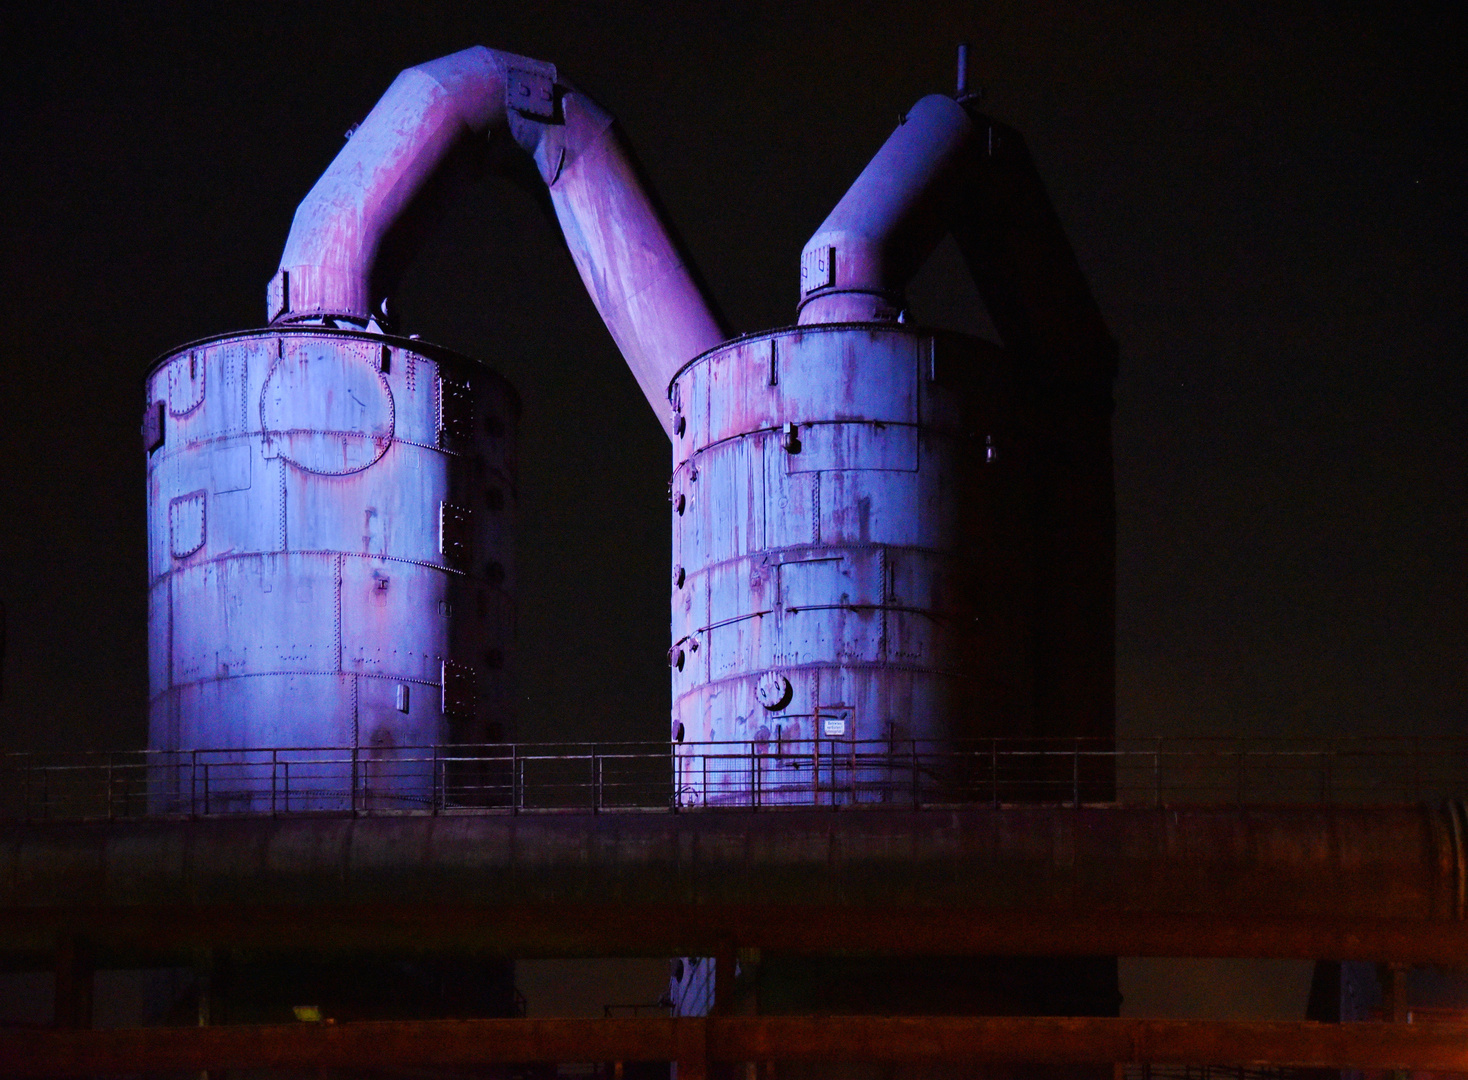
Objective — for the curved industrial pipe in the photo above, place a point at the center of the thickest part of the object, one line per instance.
(948, 169)
(856, 266)
(639, 278)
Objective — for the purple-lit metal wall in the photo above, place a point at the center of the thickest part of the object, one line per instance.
(329, 558)
(840, 497)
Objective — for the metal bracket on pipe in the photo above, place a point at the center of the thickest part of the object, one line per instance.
(531, 91)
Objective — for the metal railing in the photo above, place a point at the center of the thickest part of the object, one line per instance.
(1226, 1072)
(625, 777)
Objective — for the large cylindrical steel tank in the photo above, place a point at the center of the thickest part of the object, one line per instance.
(329, 565)
(849, 565)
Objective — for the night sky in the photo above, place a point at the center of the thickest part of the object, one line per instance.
(1267, 200)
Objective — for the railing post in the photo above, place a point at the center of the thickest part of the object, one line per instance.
(917, 796)
(595, 780)
(437, 787)
(753, 778)
(1157, 772)
(994, 772)
(514, 778)
(835, 777)
(274, 768)
(352, 798)
(1239, 753)
(193, 783)
(109, 785)
(889, 789)
(1075, 776)
(286, 776)
(206, 789)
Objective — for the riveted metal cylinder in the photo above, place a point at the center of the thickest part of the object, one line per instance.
(329, 564)
(852, 567)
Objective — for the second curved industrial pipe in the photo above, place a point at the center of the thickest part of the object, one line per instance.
(949, 169)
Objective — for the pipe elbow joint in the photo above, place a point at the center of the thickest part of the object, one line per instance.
(639, 277)
(857, 265)
(327, 265)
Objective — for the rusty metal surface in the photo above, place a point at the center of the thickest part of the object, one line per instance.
(850, 549)
(1242, 882)
(694, 1042)
(298, 578)
(630, 259)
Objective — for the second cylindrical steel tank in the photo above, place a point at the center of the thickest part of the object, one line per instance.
(849, 570)
(329, 555)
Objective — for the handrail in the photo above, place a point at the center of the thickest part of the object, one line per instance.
(611, 777)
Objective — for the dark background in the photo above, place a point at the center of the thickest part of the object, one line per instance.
(1267, 200)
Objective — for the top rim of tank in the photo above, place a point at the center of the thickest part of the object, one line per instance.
(417, 345)
(909, 329)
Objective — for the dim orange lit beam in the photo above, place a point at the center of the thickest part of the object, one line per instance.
(694, 1042)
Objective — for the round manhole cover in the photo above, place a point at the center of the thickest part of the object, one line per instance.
(325, 408)
(773, 690)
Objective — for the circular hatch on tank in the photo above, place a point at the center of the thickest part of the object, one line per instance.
(325, 407)
(773, 690)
